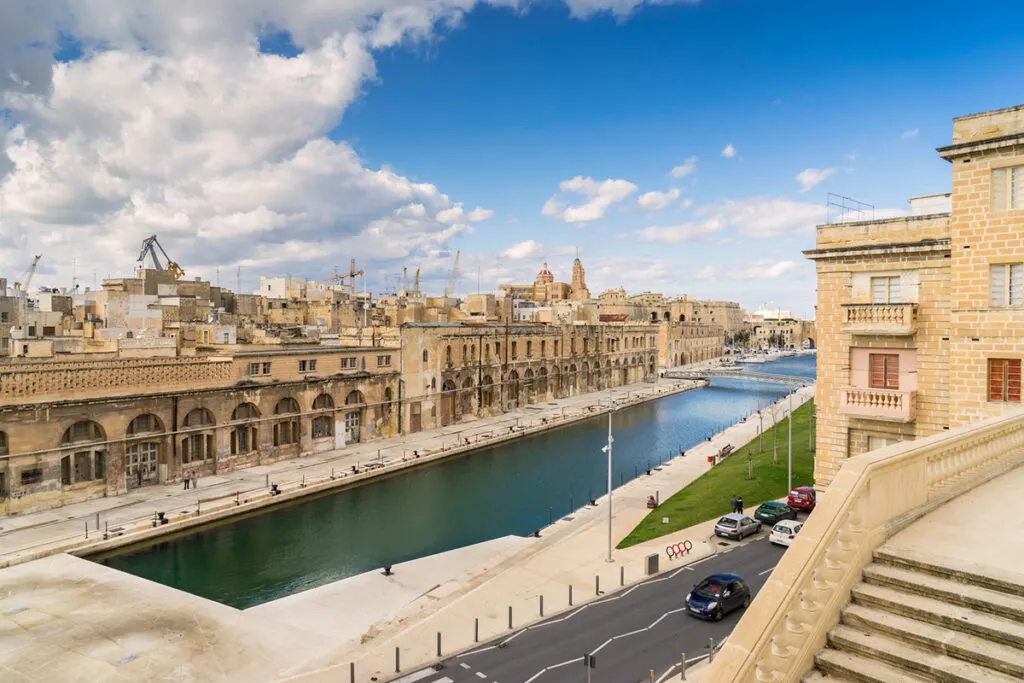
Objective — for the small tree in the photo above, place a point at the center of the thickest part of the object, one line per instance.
(773, 410)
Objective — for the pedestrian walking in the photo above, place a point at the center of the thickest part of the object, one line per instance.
(732, 504)
(185, 478)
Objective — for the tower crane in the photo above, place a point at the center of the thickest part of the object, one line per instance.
(455, 271)
(23, 292)
(149, 248)
(416, 282)
(351, 275)
(28, 275)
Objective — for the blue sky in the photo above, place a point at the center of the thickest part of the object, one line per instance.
(495, 109)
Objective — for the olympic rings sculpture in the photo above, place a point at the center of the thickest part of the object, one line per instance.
(678, 549)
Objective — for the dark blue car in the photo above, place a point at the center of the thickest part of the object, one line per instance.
(716, 596)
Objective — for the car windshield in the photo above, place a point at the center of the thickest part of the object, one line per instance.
(781, 528)
(725, 521)
(709, 587)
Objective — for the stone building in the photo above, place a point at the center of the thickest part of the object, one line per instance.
(544, 288)
(921, 319)
(784, 333)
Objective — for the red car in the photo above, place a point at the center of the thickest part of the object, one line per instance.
(802, 498)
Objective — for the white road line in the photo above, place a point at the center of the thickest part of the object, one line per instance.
(767, 570)
(548, 668)
(464, 665)
(419, 676)
(481, 674)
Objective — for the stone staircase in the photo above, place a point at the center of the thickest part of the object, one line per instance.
(917, 618)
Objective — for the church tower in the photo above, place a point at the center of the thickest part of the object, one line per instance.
(578, 288)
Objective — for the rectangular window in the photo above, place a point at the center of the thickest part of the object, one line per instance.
(876, 442)
(1004, 380)
(884, 370)
(1006, 284)
(383, 361)
(497, 350)
(266, 368)
(542, 349)
(514, 352)
(302, 366)
(344, 363)
(312, 366)
(1008, 188)
(885, 290)
(32, 476)
(3, 316)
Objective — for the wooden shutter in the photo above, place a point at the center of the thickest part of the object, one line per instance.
(996, 379)
(1013, 380)
(892, 371)
(876, 370)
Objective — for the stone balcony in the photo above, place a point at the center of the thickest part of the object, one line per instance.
(880, 319)
(890, 405)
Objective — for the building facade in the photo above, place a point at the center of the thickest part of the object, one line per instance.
(921, 319)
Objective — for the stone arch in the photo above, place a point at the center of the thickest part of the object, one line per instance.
(448, 355)
(355, 405)
(198, 443)
(389, 405)
(573, 379)
(244, 436)
(447, 403)
(513, 388)
(146, 423)
(556, 382)
(323, 417)
(528, 387)
(143, 451)
(286, 430)
(87, 459)
(466, 397)
(465, 353)
(542, 382)
(652, 366)
(487, 392)
(667, 316)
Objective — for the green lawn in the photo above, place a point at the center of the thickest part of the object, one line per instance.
(708, 497)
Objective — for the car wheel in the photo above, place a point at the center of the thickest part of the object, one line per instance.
(746, 601)
(719, 614)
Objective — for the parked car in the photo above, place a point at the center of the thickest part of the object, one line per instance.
(802, 498)
(785, 532)
(771, 512)
(736, 526)
(716, 596)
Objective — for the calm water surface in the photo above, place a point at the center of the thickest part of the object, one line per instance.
(503, 490)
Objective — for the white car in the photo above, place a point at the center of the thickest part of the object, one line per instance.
(785, 531)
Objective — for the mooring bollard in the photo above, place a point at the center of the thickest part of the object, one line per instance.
(236, 498)
(597, 585)
(266, 480)
(476, 630)
(541, 605)
(398, 661)
(711, 650)
(510, 616)
(683, 666)
(438, 643)
(97, 521)
(570, 595)
(87, 529)
(622, 576)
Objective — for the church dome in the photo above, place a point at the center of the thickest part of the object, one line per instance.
(545, 276)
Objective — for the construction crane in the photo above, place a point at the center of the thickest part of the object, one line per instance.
(28, 275)
(149, 247)
(351, 275)
(416, 282)
(455, 271)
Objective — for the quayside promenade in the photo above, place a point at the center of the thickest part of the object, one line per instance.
(80, 527)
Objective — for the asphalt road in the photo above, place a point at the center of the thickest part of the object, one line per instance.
(630, 634)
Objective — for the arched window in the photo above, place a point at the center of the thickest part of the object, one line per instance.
(487, 392)
(424, 355)
(146, 423)
(323, 422)
(543, 350)
(286, 431)
(3, 443)
(354, 403)
(244, 437)
(142, 458)
(447, 403)
(472, 351)
(448, 355)
(529, 348)
(197, 445)
(465, 354)
(88, 461)
(389, 399)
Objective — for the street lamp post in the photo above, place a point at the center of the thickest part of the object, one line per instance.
(608, 449)
(790, 442)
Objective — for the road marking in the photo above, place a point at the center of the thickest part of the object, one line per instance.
(420, 675)
(481, 674)
(767, 570)
(464, 665)
(549, 668)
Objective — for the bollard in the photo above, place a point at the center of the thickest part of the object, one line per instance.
(476, 630)
(597, 585)
(398, 661)
(652, 675)
(236, 498)
(97, 521)
(352, 672)
(711, 650)
(87, 529)
(570, 595)
(303, 481)
(332, 474)
(510, 617)
(197, 508)
(266, 480)
(657, 498)
(684, 666)
(106, 530)
(622, 576)
(541, 605)
(438, 643)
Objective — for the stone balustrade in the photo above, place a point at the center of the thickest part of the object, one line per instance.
(891, 405)
(880, 319)
(873, 496)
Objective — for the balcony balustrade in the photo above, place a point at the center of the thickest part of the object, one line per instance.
(891, 405)
(880, 319)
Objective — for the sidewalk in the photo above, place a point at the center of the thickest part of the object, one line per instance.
(571, 552)
(33, 535)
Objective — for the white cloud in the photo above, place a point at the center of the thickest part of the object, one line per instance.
(655, 201)
(729, 152)
(684, 232)
(765, 270)
(686, 203)
(708, 272)
(602, 195)
(583, 9)
(521, 250)
(478, 215)
(688, 167)
(810, 177)
(908, 134)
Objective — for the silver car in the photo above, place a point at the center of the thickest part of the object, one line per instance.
(736, 526)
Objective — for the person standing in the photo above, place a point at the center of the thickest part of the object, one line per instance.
(732, 503)
(739, 504)
(195, 479)
(185, 478)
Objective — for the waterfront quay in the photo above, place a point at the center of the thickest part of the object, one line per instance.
(126, 519)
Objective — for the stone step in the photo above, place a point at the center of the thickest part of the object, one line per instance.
(936, 612)
(966, 595)
(816, 676)
(951, 568)
(844, 666)
(1003, 658)
(931, 666)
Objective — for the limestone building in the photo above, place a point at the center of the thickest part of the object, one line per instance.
(921, 319)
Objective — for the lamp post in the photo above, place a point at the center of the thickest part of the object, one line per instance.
(608, 449)
(790, 442)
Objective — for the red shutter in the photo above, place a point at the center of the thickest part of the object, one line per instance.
(996, 385)
(876, 371)
(1013, 380)
(892, 371)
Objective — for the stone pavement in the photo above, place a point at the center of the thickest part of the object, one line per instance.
(30, 536)
(573, 551)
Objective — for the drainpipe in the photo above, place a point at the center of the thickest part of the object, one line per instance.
(174, 439)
